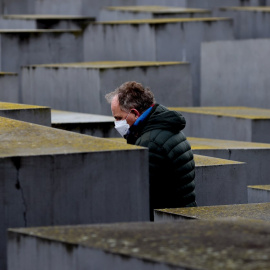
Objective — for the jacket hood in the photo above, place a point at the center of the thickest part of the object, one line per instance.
(162, 118)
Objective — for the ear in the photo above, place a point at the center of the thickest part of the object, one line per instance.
(137, 114)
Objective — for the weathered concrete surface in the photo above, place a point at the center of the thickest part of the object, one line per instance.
(39, 21)
(150, 12)
(150, 41)
(227, 123)
(34, 114)
(249, 22)
(260, 211)
(219, 181)
(50, 176)
(90, 124)
(26, 47)
(259, 194)
(9, 87)
(213, 245)
(81, 87)
(226, 69)
(255, 155)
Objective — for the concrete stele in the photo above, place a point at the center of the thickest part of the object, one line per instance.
(162, 246)
(249, 22)
(41, 21)
(150, 12)
(30, 113)
(50, 176)
(253, 211)
(219, 181)
(259, 194)
(240, 123)
(150, 41)
(90, 124)
(9, 85)
(255, 155)
(31, 46)
(54, 84)
(232, 62)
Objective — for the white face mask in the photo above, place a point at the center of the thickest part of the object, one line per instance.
(122, 127)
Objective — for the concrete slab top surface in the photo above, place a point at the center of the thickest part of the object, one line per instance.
(158, 9)
(4, 106)
(203, 161)
(110, 64)
(61, 117)
(213, 244)
(236, 112)
(200, 160)
(259, 211)
(166, 20)
(246, 8)
(204, 143)
(261, 187)
(46, 17)
(19, 138)
(37, 31)
(2, 73)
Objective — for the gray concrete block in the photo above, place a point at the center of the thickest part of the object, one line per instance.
(249, 22)
(150, 12)
(259, 194)
(9, 87)
(219, 181)
(26, 47)
(227, 123)
(255, 155)
(150, 41)
(89, 124)
(81, 87)
(39, 21)
(217, 244)
(29, 113)
(226, 69)
(252, 211)
(55, 177)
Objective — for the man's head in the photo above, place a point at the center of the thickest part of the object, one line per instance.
(129, 101)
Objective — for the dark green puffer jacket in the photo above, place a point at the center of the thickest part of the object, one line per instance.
(172, 167)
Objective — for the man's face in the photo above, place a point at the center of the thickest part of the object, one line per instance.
(119, 114)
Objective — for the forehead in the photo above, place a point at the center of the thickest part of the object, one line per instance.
(115, 107)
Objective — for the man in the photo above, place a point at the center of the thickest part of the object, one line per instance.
(171, 165)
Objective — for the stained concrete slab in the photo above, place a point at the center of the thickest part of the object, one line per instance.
(26, 47)
(30, 113)
(55, 177)
(255, 211)
(219, 181)
(249, 22)
(81, 87)
(259, 194)
(150, 12)
(43, 21)
(225, 73)
(9, 87)
(150, 41)
(227, 123)
(162, 246)
(255, 155)
(89, 124)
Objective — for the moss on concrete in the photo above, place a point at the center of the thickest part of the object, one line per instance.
(213, 245)
(24, 139)
(261, 187)
(237, 112)
(16, 106)
(259, 211)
